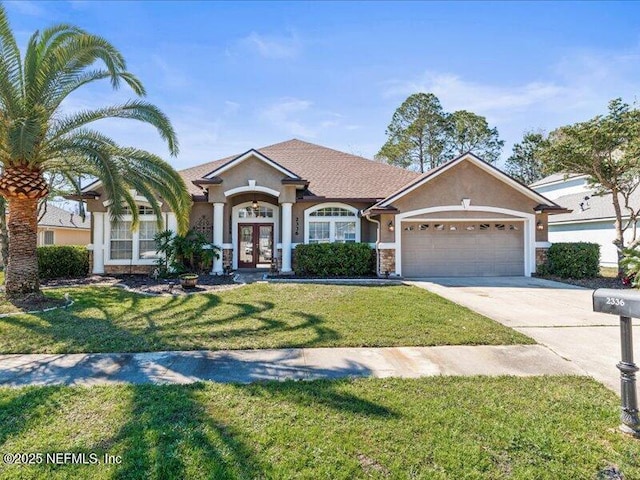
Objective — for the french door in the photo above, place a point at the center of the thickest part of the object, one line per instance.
(255, 245)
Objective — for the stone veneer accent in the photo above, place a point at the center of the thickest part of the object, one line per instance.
(541, 256)
(227, 258)
(129, 269)
(387, 261)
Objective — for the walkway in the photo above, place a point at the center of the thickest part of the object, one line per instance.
(556, 315)
(245, 366)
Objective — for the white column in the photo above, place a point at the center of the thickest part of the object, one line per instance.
(286, 237)
(98, 242)
(172, 222)
(218, 223)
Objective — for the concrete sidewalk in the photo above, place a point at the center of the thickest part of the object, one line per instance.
(244, 366)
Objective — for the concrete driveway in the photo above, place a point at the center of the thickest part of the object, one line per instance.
(556, 315)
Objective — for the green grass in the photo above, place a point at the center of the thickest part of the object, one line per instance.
(435, 428)
(255, 316)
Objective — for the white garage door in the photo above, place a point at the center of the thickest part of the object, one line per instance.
(462, 249)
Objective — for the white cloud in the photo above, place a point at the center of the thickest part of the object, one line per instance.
(285, 115)
(461, 94)
(273, 46)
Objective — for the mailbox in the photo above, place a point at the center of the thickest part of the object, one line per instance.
(625, 304)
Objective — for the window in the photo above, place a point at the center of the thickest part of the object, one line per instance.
(500, 226)
(332, 224)
(144, 210)
(121, 241)
(424, 226)
(319, 232)
(345, 232)
(332, 212)
(260, 212)
(146, 243)
(485, 226)
(48, 237)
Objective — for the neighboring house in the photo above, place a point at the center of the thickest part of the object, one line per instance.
(60, 227)
(591, 217)
(464, 218)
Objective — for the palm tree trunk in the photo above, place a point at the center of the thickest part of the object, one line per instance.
(22, 267)
(4, 233)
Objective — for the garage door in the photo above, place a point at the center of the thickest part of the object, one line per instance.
(462, 249)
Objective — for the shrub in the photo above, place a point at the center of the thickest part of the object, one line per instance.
(334, 259)
(631, 265)
(189, 253)
(574, 260)
(60, 261)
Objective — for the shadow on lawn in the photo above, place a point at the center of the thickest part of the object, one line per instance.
(178, 431)
(173, 323)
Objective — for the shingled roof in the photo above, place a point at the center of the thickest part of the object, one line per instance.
(589, 207)
(331, 173)
(57, 217)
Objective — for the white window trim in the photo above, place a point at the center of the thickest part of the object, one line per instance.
(332, 220)
(135, 239)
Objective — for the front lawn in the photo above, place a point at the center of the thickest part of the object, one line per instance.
(256, 316)
(432, 428)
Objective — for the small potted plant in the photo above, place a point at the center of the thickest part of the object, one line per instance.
(189, 280)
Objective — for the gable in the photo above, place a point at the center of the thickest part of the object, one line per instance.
(481, 164)
(465, 180)
(251, 169)
(252, 155)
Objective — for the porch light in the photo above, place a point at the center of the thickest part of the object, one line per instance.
(540, 225)
(254, 204)
(390, 226)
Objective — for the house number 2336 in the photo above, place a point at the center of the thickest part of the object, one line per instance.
(615, 301)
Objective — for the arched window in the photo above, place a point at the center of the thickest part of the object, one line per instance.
(332, 223)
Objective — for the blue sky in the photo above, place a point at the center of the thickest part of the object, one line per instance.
(234, 76)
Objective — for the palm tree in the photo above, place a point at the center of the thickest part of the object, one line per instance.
(36, 137)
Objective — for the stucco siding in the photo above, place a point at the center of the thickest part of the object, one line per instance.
(63, 236)
(465, 180)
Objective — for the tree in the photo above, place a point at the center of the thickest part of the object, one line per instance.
(525, 163)
(422, 135)
(607, 149)
(417, 133)
(469, 132)
(37, 137)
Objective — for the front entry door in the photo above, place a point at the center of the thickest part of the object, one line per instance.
(255, 245)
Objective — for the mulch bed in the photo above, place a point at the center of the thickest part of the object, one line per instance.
(171, 286)
(593, 283)
(147, 284)
(37, 302)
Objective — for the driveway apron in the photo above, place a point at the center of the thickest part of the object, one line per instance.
(554, 314)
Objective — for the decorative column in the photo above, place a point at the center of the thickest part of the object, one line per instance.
(286, 237)
(218, 229)
(172, 222)
(97, 218)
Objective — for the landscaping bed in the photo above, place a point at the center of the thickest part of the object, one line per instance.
(433, 428)
(592, 283)
(259, 315)
(145, 283)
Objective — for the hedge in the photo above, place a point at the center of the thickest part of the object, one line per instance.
(60, 261)
(574, 260)
(334, 259)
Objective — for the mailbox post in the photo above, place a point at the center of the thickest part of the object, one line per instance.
(625, 304)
